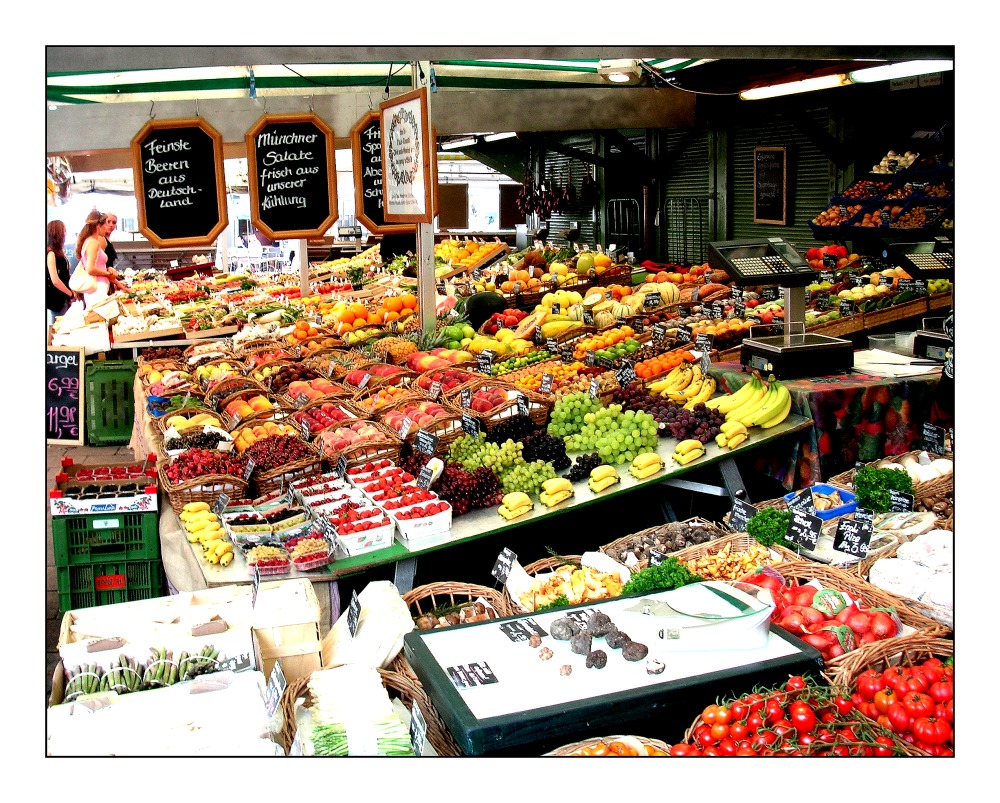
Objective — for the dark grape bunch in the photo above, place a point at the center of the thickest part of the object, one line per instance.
(515, 428)
(539, 445)
(701, 422)
(585, 463)
(195, 440)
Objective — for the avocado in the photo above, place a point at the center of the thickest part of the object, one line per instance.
(480, 306)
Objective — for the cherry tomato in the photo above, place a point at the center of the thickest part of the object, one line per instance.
(740, 709)
(723, 715)
(774, 712)
(783, 728)
(719, 731)
(843, 705)
(941, 691)
(746, 751)
(682, 749)
(738, 730)
(884, 746)
(932, 730)
(705, 738)
(728, 747)
(711, 750)
(918, 704)
(755, 701)
(755, 721)
(841, 750)
(708, 714)
(763, 739)
(802, 718)
(795, 683)
(825, 735)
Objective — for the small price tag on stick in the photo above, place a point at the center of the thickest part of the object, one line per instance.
(501, 569)
(353, 614)
(740, 515)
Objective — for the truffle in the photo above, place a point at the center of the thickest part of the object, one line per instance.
(634, 651)
(545, 653)
(535, 640)
(616, 639)
(597, 659)
(565, 670)
(564, 629)
(600, 624)
(580, 643)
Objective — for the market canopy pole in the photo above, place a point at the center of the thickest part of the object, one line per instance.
(425, 231)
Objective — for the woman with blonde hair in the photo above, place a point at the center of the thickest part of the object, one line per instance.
(90, 250)
(57, 293)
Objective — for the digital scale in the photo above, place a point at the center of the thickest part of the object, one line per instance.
(925, 260)
(772, 260)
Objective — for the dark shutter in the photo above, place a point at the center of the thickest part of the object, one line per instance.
(558, 170)
(809, 176)
(684, 219)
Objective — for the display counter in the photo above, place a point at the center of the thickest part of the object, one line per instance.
(856, 417)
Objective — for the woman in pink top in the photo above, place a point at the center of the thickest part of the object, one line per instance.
(90, 245)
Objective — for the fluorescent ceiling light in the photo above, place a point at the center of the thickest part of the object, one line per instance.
(500, 135)
(458, 143)
(792, 87)
(903, 69)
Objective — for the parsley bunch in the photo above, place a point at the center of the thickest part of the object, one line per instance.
(671, 573)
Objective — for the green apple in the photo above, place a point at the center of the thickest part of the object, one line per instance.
(468, 331)
(465, 341)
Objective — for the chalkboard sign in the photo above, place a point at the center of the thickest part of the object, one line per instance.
(853, 537)
(64, 395)
(803, 501)
(292, 176)
(470, 425)
(425, 442)
(546, 386)
(770, 184)
(353, 614)
(276, 685)
(846, 307)
(900, 502)
(659, 332)
(566, 352)
(770, 293)
(418, 730)
(656, 557)
(366, 149)
(684, 334)
(933, 438)
(501, 569)
(180, 185)
(740, 515)
(804, 529)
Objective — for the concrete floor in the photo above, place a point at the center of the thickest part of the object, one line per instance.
(84, 455)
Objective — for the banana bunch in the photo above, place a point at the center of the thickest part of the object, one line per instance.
(766, 407)
(514, 505)
(685, 385)
(731, 434)
(687, 451)
(603, 477)
(646, 465)
(555, 490)
(203, 527)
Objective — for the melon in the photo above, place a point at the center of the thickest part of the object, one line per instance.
(526, 328)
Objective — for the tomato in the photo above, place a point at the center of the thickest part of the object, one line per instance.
(899, 717)
(918, 704)
(723, 715)
(728, 747)
(883, 698)
(825, 735)
(932, 672)
(931, 730)
(708, 714)
(949, 710)
(738, 730)
(795, 683)
(869, 682)
(803, 718)
(774, 712)
(783, 727)
(941, 691)
(884, 746)
(843, 705)
(719, 731)
(682, 749)
(841, 750)
(746, 751)
(704, 738)
(755, 701)
(914, 682)
(763, 739)
(806, 739)
(755, 721)
(739, 708)
(893, 676)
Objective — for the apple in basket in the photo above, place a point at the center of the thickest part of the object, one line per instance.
(356, 377)
(485, 400)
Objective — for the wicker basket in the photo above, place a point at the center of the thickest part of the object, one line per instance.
(906, 651)
(202, 489)
(539, 406)
(940, 486)
(422, 383)
(575, 748)
(277, 479)
(548, 564)
(403, 685)
(737, 542)
(265, 355)
(386, 447)
(250, 346)
(615, 274)
(939, 614)
(400, 377)
(446, 427)
(188, 412)
(801, 572)
(313, 345)
(343, 404)
(613, 550)
(231, 388)
(198, 353)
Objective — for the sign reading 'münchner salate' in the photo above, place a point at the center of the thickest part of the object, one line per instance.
(292, 174)
(180, 184)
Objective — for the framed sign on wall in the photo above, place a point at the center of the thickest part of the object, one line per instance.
(292, 176)
(770, 185)
(406, 159)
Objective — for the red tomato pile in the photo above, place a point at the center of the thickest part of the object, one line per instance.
(798, 719)
(916, 702)
(827, 619)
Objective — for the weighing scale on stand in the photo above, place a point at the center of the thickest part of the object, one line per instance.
(928, 260)
(790, 355)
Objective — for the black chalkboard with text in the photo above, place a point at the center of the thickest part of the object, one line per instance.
(64, 395)
(770, 185)
(292, 176)
(179, 182)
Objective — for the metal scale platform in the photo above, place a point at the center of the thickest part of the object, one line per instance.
(792, 353)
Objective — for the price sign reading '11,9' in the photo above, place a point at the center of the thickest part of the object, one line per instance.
(63, 395)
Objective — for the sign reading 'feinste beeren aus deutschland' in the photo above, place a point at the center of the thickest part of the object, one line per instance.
(180, 184)
(290, 161)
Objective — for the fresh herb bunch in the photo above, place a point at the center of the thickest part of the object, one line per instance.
(671, 573)
(768, 527)
(559, 602)
(872, 486)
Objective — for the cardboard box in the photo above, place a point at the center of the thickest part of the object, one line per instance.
(286, 626)
(94, 338)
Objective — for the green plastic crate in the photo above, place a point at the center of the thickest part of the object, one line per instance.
(110, 401)
(106, 583)
(105, 537)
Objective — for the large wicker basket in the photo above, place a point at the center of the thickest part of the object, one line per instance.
(737, 543)
(386, 447)
(278, 479)
(940, 486)
(801, 572)
(230, 388)
(422, 383)
(614, 549)
(539, 406)
(548, 564)
(402, 685)
(207, 488)
(446, 426)
(605, 745)
(189, 412)
(343, 404)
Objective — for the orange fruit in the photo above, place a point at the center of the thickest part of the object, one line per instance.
(301, 334)
(663, 276)
(312, 331)
(359, 310)
(393, 304)
(409, 301)
(346, 316)
(406, 313)
(302, 324)
(373, 317)
(391, 316)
